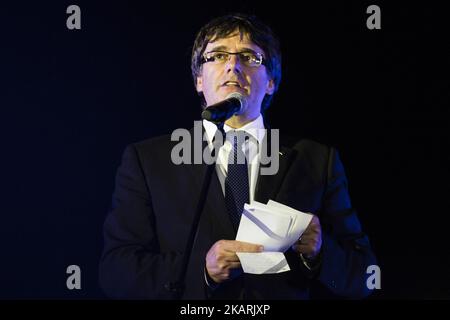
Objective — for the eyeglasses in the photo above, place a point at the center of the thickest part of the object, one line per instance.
(247, 58)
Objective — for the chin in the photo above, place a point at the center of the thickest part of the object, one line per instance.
(229, 90)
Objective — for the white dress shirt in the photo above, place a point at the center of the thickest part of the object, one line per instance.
(255, 130)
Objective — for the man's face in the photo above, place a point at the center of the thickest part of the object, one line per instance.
(218, 80)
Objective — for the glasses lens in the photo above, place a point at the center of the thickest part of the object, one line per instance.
(217, 56)
(250, 59)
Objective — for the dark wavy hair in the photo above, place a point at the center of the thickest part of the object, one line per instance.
(259, 33)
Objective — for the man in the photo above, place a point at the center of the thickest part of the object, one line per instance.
(155, 200)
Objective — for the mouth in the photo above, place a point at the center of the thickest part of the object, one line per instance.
(232, 84)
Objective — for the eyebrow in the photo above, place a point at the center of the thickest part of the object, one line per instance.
(225, 48)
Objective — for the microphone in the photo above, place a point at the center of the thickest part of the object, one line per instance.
(233, 104)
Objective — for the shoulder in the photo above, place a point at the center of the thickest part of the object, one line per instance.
(309, 152)
(163, 141)
(304, 145)
(150, 150)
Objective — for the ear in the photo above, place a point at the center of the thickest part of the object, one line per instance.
(199, 85)
(270, 88)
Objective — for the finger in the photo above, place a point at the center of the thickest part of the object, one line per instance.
(227, 248)
(240, 246)
(226, 272)
(302, 246)
(232, 258)
(312, 226)
(226, 256)
(220, 248)
(229, 265)
(307, 238)
(234, 265)
(317, 220)
(312, 231)
(314, 221)
(305, 249)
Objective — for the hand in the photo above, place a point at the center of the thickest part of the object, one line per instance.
(310, 242)
(221, 259)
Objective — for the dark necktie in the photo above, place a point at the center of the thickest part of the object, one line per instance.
(236, 182)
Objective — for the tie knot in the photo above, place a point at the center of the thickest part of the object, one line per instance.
(237, 137)
(238, 150)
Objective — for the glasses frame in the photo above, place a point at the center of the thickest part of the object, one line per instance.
(258, 54)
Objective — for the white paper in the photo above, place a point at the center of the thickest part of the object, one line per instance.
(264, 262)
(275, 226)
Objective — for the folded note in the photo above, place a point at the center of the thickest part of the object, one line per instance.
(264, 262)
(275, 226)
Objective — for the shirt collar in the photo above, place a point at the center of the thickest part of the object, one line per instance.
(255, 128)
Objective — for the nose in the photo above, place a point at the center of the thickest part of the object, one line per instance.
(233, 64)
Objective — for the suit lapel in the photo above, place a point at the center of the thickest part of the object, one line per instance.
(215, 200)
(268, 186)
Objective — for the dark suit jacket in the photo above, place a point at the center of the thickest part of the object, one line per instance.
(153, 207)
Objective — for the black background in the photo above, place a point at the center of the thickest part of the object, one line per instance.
(71, 100)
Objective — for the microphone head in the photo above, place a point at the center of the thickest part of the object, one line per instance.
(234, 103)
(242, 100)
